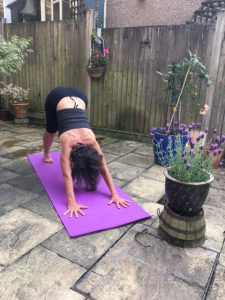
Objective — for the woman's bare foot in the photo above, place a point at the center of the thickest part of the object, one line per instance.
(48, 159)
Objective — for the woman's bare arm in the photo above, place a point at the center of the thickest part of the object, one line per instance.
(73, 206)
(109, 181)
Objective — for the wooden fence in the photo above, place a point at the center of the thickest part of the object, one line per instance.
(130, 97)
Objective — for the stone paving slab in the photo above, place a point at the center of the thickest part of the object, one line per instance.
(20, 231)
(3, 160)
(30, 137)
(18, 165)
(192, 265)
(151, 190)
(155, 172)
(7, 151)
(33, 144)
(215, 226)
(7, 134)
(117, 148)
(88, 282)
(110, 157)
(12, 197)
(29, 183)
(131, 143)
(222, 256)
(217, 291)
(9, 142)
(145, 150)
(137, 160)
(43, 207)
(123, 171)
(7, 175)
(84, 250)
(219, 179)
(216, 198)
(105, 140)
(40, 274)
(132, 279)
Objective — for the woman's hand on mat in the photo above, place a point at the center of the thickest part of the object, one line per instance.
(119, 201)
(75, 208)
(48, 159)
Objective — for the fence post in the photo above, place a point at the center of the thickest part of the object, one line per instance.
(214, 63)
(89, 27)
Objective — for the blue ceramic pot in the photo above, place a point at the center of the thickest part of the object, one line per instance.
(163, 139)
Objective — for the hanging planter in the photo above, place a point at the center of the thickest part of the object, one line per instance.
(97, 72)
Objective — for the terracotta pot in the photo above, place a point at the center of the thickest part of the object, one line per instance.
(186, 198)
(216, 160)
(19, 110)
(95, 72)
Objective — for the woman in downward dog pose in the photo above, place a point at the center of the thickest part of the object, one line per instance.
(81, 156)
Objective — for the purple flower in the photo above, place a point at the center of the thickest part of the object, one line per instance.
(213, 146)
(215, 152)
(201, 135)
(161, 140)
(188, 166)
(181, 128)
(218, 139)
(192, 143)
(167, 124)
(206, 130)
(198, 138)
(208, 152)
(190, 127)
(184, 159)
(220, 151)
(223, 138)
(192, 153)
(214, 130)
(184, 153)
(201, 148)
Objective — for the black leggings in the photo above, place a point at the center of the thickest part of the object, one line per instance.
(52, 101)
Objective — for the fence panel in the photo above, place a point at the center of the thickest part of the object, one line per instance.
(59, 58)
(130, 97)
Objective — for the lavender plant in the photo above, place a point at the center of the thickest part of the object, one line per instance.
(192, 162)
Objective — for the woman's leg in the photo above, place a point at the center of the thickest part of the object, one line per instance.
(48, 138)
(51, 125)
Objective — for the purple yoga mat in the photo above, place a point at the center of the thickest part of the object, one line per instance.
(99, 215)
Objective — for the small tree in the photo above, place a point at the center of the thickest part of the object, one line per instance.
(183, 80)
(12, 54)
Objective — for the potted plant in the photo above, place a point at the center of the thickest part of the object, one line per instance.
(188, 176)
(182, 81)
(18, 99)
(12, 57)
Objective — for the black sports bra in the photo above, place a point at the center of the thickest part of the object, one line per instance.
(71, 118)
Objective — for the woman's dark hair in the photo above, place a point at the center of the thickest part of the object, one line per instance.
(86, 166)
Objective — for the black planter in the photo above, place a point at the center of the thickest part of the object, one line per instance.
(186, 199)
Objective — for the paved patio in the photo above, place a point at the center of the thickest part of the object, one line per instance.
(39, 261)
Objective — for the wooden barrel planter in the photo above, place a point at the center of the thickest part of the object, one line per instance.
(182, 231)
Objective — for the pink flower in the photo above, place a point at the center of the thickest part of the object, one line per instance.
(97, 55)
(204, 110)
(106, 51)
